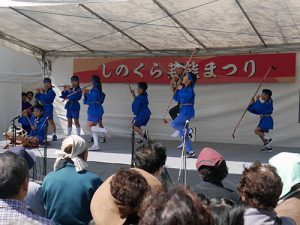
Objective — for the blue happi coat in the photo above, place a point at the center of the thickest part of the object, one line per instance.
(264, 109)
(140, 106)
(186, 98)
(73, 100)
(39, 122)
(46, 99)
(94, 99)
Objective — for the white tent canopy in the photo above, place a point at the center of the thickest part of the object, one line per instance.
(160, 27)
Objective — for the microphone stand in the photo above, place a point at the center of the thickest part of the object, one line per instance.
(132, 143)
(183, 157)
(45, 127)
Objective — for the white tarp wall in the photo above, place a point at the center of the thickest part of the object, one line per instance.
(16, 69)
(218, 108)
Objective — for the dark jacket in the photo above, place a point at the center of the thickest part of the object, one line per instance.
(215, 190)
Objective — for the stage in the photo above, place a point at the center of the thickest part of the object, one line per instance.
(116, 153)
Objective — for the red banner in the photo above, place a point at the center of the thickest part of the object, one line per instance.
(218, 69)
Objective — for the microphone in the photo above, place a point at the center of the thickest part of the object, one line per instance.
(186, 126)
(17, 117)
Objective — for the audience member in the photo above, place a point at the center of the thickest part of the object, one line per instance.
(149, 160)
(34, 198)
(288, 168)
(260, 188)
(212, 167)
(67, 192)
(177, 206)
(14, 177)
(226, 212)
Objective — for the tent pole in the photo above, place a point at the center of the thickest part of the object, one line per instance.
(179, 24)
(251, 23)
(113, 26)
(49, 28)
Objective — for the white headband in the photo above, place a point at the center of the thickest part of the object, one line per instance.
(179, 65)
(78, 147)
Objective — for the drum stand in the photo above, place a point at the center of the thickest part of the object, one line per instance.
(14, 132)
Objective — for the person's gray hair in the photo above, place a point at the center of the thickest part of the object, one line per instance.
(13, 172)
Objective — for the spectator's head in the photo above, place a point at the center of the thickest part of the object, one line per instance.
(260, 186)
(288, 168)
(47, 83)
(29, 95)
(24, 97)
(29, 156)
(142, 87)
(150, 157)
(73, 149)
(226, 212)
(14, 176)
(120, 195)
(128, 187)
(219, 207)
(211, 165)
(178, 206)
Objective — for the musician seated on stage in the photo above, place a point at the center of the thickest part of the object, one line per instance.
(26, 106)
(37, 122)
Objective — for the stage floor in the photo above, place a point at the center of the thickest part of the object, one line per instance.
(116, 152)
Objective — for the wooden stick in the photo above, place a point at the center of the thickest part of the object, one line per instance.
(255, 93)
(28, 120)
(186, 65)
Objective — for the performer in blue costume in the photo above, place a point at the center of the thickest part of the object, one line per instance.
(174, 112)
(94, 99)
(46, 97)
(185, 96)
(141, 111)
(37, 122)
(73, 94)
(264, 109)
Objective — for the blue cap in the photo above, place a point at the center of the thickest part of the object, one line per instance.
(143, 85)
(21, 152)
(267, 92)
(75, 78)
(47, 80)
(192, 77)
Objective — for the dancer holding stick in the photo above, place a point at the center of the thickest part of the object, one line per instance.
(251, 101)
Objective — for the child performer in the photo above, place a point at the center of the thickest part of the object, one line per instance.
(46, 97)
(28, 107)
(265, 110)
(37, 122)
(176, 81)
(95, 98)
(141, 111)
(185, 95)
(72, 106)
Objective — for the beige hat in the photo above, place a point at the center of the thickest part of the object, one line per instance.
(106, 210)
